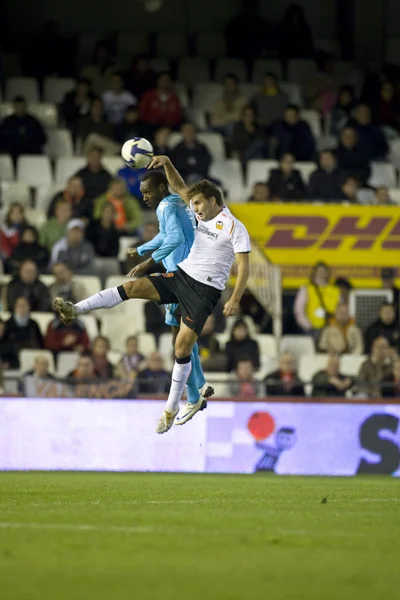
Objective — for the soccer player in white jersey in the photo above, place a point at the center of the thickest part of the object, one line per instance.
(196, 285)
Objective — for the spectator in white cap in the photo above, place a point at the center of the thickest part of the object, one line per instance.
(74, 250)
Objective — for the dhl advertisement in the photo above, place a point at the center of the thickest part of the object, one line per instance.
(356, 241)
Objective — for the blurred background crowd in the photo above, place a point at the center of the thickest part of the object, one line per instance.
(267, 111)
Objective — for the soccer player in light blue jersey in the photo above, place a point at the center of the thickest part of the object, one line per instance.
(171, 246)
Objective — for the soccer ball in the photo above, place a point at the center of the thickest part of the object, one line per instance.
(137, 153)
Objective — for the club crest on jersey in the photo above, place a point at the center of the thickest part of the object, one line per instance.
(219, 225)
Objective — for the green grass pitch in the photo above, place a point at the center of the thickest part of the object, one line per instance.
(87, 536)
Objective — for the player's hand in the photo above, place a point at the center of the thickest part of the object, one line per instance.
(231, 308)
(158, 161)
(139, 269)
(131, 251)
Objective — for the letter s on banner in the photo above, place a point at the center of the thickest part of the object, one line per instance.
(387, 450)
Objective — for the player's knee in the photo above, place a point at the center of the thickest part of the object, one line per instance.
(130, 288)
(183, 347)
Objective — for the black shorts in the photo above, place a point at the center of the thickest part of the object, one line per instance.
(196, 300)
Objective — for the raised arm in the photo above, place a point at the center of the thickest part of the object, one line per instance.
(174, 179)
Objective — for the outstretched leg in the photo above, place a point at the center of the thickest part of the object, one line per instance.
(140, 288)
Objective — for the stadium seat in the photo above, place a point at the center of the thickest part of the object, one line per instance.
(301, 71)
(42, 319)
(205, 95)
(395, 195)
(27, 87)
(91, 283)
(382, 174)
(6, 168)
(305, 168)
(210, 45)
(166, 349)
(198, 118)
(393, 51)
(47, 279)
(55, 88)
(267, 344)
(134, 312)
(314, 120)
(27, 358)
(15, 191)
(191, 70)
(125, 242)
(44, 195)
(309, 364)
(365, 196)
(132, 43)
(66, 167)
(229, 172)
(213, 141)
(160, 65)
(59, 143)
(34, 170)
(113, 164)
(116, 329)
(395, 152)
(350, 364)
(230, 65)
(182, 93)
(172, 45)
(327, 142)
(6, 109)
(258, 170)
(293, 92)
(66, 362)
(46, 113)
(91, 325)
(263, 66)
(146, 343)
(114, 356)
(297, 345)
(249, 90)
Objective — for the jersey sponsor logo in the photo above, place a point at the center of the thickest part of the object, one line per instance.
(210, 234)
(219, 225)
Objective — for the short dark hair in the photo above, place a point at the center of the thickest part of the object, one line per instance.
(157, 178)
(387, 303)
(207, 189)
(19, 99)
(293, 107)
(272, 75)
(232, 76)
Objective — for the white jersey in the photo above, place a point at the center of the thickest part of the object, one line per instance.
(213, 252)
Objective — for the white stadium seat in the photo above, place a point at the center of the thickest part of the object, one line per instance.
(146, 343)
(59, 143)
(46, 113)
(66, 362)
(27, 359)
(206, 94)
(67, 166)
(314, 120)
(131, 43)
(92, 328)
(91, 283)
(382, 174)
(293, 92)
(113, 164)
(35, 217)
(263, 66)
(55, 88)
(226, 66)
(213, 141)
(365, 196)
(301, 71)
(182, 93)
(42, 319)
(6, 168)
(297, 345)
(259, 170)
(116, 328)
(166, 349)
(394, 194)
(249, 90)
(197, 117)
(191, 70)
(305, 168)
(44, 194)
(34, 170)
(309, 364)
(229, 172)
(15, 191)
(350, 364)
(47, 279)
(27, 87)
(172, 45)
(6, 109)
(210, 45)
(268, 345)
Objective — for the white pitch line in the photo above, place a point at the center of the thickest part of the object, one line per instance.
(71, 527)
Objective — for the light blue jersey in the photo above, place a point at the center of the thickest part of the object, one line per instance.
(172, 245)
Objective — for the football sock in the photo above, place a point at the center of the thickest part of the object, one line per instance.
(180, 374)
(196, 378)
(105, 299)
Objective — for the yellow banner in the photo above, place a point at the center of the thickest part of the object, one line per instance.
(356, 241)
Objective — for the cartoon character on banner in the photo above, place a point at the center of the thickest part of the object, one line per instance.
(261, 425)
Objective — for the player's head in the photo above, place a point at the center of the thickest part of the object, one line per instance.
(206, 199)
(154, 187)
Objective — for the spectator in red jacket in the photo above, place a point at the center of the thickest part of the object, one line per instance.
(11, 230)
(64, 338)
(161, 106)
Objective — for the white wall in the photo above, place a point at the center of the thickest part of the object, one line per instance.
(177, 15)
